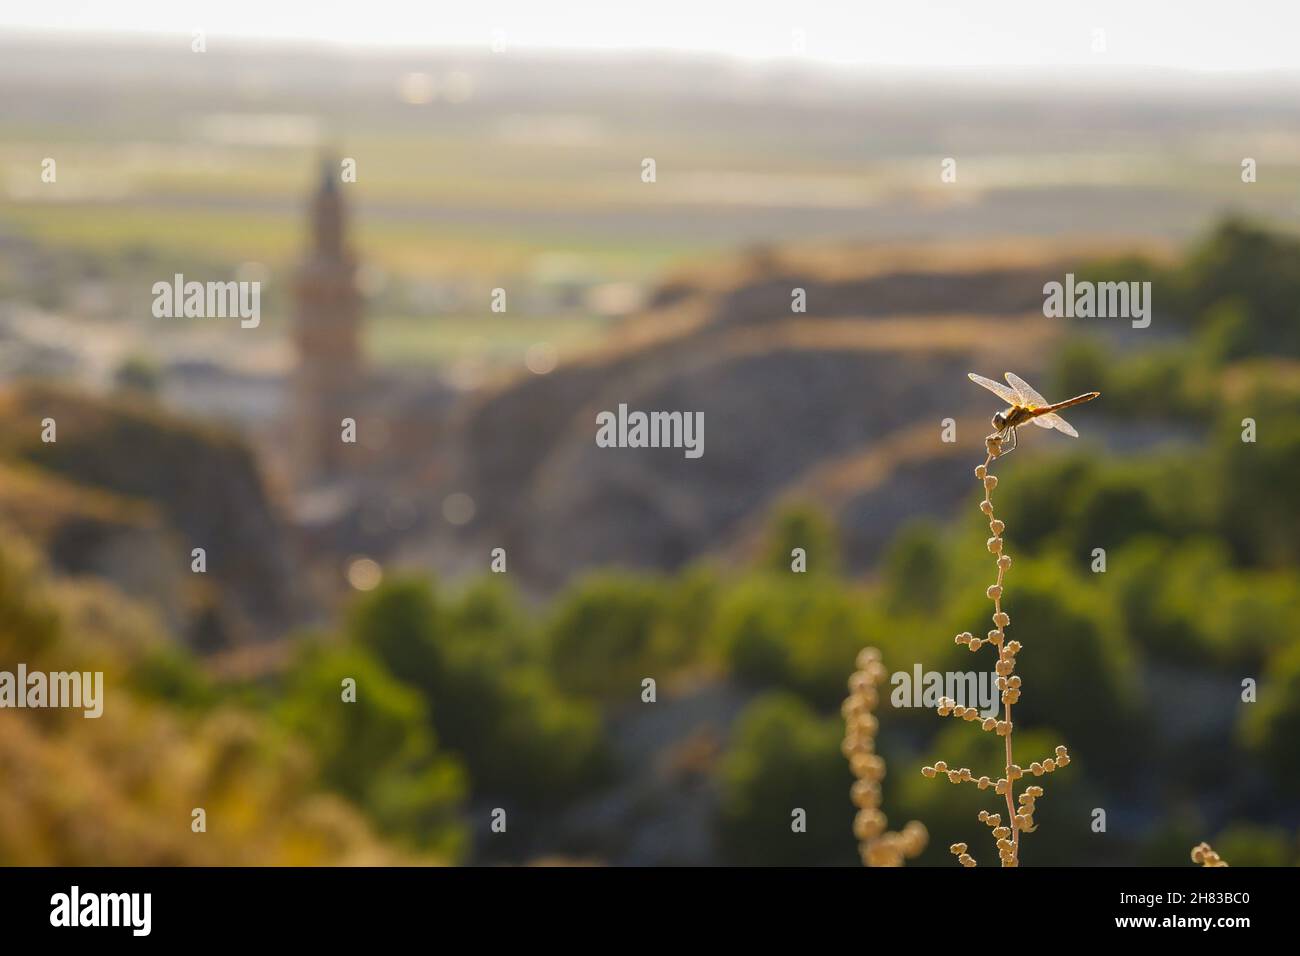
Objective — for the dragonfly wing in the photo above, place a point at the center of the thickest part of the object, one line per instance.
(997, 388)
(1052, 420)
(1027, 396)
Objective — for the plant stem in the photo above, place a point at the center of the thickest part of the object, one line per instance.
(1006, 707)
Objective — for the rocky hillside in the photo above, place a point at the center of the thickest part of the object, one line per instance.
(840, 404)
(126, 492)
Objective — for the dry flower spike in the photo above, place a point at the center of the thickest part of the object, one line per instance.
(877, 845)
(1204, 855)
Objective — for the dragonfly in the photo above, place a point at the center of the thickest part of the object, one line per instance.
(1026, 405)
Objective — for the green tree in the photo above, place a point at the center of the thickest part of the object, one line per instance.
(378, 750)
(484, 688)
(603, 635)
(1272, 725)
(784, 757)
(915, 569)
(801, 526)
(800, 635)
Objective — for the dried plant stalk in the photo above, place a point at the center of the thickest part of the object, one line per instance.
(1205, 855)
(1020, 810)
(877, 845)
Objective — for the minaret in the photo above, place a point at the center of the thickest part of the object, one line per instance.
(327, 333)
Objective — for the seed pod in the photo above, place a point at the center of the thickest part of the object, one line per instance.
(983, 783)
(865, 724)
(988, 723)
(865, 794)
(1001, 619)
(990, 482)
(867, 766)
(994, 592)
(1049, 765)
(994, 545)
(868, 656)
(1004, 562)
(957, 849)
(927, 771)
(986, 506)
(976, 643)
(980, 471)
(996, 526)
(860, 683)
(868, 824)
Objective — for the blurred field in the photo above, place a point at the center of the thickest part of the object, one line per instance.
(525, 171)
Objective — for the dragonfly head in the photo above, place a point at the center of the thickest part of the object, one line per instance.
(999, 421)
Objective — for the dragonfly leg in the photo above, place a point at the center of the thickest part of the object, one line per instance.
(1012, 432)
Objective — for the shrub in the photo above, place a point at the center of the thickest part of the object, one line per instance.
(379, 750)
(602, 637)
(796, 634)
(784, 757)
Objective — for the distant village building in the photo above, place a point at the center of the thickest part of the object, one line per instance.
(328, 381)
(381, 495)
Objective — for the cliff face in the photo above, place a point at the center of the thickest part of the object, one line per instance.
(125, 492)
(841, 404)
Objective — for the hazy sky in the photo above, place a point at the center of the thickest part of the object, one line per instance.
(1196, 34)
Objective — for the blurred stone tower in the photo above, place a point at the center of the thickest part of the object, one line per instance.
(327, 333)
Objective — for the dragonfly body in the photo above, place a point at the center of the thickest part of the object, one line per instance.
(1024, 404)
